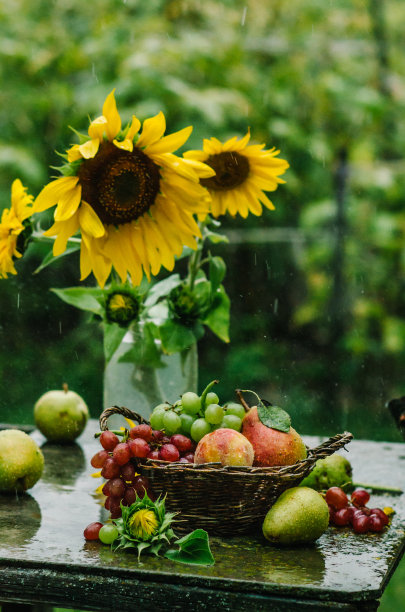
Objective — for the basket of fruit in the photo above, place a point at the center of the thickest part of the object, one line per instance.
(216, 477)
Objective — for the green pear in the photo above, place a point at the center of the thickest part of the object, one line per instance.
(299, 516)
(61, 415)
(333, 471)
(21, 461)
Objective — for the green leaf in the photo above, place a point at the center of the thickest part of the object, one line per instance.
(113, 335)
(85, 298)
(274, 417)
(215, 238)
(194, 548)
(217, 272)
(175, 337)
(50, 258)
(219, 315)
(162, 289)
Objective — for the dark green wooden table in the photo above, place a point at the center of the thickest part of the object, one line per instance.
(44, 558)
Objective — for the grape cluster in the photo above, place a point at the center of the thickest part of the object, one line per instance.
(196, 416)
(124, 484)
(354, 512)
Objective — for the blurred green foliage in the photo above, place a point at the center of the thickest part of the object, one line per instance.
(316, 286)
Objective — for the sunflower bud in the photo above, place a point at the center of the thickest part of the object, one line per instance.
(122, 307)
(184, 305)
(143, 524)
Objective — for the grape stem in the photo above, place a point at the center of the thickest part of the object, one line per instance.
(377, 488)
(205, 393)
(117, 432)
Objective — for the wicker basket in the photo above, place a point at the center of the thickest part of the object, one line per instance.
(223, 500)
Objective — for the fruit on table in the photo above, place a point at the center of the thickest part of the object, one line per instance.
(299, 516)
(354, 513)
(272, 446)
(333, 471)
(21, 461)
(61, 415)
(227, 446)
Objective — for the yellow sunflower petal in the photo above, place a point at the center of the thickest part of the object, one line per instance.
(125, 145)
(68, 204)
(63, 230)
(212, 146)
(89, 148)
(74, 153)
(51, 193)
(110, 112)
(169, 143)
(203, 170)
(90, 222)
(133, 128)
(93, 260)
(152, 130)
(265, 200)
(97, 128)
(196, 155)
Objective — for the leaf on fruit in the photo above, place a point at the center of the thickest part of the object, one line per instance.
(274, 417)
(194, 548)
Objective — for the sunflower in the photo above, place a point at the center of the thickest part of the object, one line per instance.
(242, 174)
(14, 226)
(132, 199)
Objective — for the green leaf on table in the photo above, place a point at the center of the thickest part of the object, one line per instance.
(217, 272)
(219, 315)
(112, 337)
(175, 337)
(50, 258)
(274, 417)
(162, 289)
(194, 548)
(144, 350)
(84, 298)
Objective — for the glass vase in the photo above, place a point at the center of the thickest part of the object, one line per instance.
(141, 388)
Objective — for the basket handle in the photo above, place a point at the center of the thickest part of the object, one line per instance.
(330, 446)
(123, 411)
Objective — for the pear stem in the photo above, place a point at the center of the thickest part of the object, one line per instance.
(65, 387)
(242, 400)
(377, 488)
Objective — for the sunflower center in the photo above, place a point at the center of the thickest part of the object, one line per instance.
(232, 169)
(119, 185)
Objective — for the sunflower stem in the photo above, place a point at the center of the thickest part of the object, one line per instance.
(195, 261)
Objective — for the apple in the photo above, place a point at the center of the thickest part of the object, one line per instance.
(226, 446)
(271, 446)
(61, 415)
(21, 461)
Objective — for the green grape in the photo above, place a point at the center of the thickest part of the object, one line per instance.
(211, 398)
(236, 409)
(171, 422)
(108, 533)
(156, 418)
(199, 429)
(231, 421)
(186, 422)
(191, 402)
(214, 414)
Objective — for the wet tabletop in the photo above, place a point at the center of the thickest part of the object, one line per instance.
(43, 532)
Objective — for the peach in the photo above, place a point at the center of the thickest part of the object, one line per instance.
(271, 446)
(225, 446)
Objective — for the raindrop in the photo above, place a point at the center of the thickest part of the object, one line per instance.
(60, 327)
(275, 307)
(93, 71)
(242, 21)
(18, 301)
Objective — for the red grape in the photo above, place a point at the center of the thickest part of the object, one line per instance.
(342, 517)
(381, 515)
(337, 498)
(106, 488)
(182, 443)
(129, 496)
(107, 503)
(128, 472)
(111, 469)
(139, 448)
(360, 497)
(153, 454)
(141, 431)
(165, 440)
(117, 487)
(157, 435)
(122, 453)
(169, 452)
(189, 457)
(91, 531)
(116, 513)
(98, 460)
(108, 440)
(375, 523)
(360, 523)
